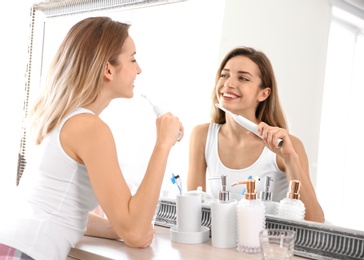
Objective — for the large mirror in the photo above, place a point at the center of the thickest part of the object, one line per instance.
(179, 46)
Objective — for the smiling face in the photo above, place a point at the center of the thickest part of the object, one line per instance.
(238, 88)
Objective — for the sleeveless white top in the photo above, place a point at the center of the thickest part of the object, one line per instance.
(265, 165)
(50, 212)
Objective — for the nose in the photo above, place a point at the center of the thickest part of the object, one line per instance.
(139, 70)
(229, 83)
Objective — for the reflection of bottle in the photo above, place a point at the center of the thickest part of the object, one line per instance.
(250, 219)
(292, 207)
(271, 207)
(223, 219)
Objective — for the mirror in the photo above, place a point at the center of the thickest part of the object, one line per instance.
(179, 46)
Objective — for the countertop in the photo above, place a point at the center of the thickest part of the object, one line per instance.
(92, 248)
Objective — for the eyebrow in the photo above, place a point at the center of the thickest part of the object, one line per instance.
(240, 72)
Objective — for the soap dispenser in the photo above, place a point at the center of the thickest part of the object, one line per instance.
(292, 207)
(271, 207)
(223, 218)
(250, 213)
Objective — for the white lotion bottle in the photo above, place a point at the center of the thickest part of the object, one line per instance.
(271, 207)
(223, 218)
(250, 213)
(292, 207)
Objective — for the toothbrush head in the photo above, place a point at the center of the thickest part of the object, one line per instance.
(144, 96)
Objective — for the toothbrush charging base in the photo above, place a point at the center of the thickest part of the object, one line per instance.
(190, 237)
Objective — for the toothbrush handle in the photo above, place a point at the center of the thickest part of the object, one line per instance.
(247, 124)
(252, 127)
(179, 135)
(158, 112)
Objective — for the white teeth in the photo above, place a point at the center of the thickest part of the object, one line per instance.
(230, 95)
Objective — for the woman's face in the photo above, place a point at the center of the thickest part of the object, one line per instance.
(238, 88)
(126, 70)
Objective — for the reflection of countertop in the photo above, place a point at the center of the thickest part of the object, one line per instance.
(92, 248)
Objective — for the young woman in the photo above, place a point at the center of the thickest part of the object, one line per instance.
(75, 167)
(246, 85)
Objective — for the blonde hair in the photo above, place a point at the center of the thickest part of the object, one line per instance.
(76, 74)
(269, 110)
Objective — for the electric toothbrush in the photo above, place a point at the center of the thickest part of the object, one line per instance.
(252, 127)
(158, 112)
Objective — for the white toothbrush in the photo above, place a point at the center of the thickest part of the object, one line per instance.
(158, 112)
(252, 127)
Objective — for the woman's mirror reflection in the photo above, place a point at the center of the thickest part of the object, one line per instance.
(246, 85)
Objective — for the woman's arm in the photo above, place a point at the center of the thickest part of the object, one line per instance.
(89, 140)
(292, 159)
(197, 163)
(297, 168)
(99, 226)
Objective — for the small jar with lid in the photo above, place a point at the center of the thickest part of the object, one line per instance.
(250, 219)
(292, 207)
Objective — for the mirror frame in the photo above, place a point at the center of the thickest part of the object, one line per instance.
(313, 240)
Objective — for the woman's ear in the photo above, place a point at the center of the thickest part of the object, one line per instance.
(264, 94)
(108, 71)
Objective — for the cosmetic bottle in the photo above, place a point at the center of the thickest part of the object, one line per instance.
(292, 207)
(250, 213)
(271, 207)
(223, 218)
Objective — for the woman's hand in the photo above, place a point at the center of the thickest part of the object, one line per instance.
(292, 159)
(271, 135)
(169, 129)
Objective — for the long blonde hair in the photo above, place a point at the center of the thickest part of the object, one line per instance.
(269, 110)
(76, 74)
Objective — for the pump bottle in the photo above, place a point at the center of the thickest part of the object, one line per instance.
(223, 218)
(271, 207)
(250, 219)
(292, 207)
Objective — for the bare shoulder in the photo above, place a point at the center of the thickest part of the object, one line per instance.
(86, 124)
(200, 130)
(296, 142)
(299, 147)
(84, 133)
(299, 150)
(198, 136)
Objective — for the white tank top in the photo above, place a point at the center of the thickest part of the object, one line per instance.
(49, 215)
(265, 165)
